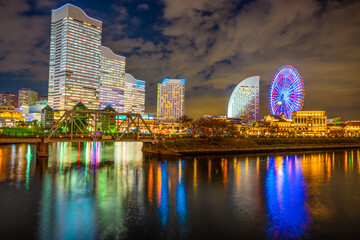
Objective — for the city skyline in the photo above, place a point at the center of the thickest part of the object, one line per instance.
(319, 38)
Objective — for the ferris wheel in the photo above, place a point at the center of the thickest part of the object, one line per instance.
(286, 92)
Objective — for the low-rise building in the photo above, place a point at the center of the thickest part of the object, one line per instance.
(8, 117)
(352, 128)
(309, 121)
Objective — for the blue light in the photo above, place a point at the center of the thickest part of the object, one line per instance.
(140, 84)
(181, 206)
(165, 80)
(285, 193)
(164, 211)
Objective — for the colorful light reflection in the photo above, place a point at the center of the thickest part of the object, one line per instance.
(286, 198)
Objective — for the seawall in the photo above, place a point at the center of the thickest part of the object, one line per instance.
(196, 146)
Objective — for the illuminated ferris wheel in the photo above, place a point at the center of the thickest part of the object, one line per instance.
(286, 92)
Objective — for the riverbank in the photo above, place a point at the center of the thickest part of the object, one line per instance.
(197, 146)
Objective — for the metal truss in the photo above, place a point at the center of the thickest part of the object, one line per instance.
(100, 126)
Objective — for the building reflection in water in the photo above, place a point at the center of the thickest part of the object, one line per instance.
(97, 190)
(181, 206)
(163, 193)
(285, 192)
(84, 191)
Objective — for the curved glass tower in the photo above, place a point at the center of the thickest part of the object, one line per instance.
(244, 100)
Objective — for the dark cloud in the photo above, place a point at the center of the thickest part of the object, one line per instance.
(213, 44)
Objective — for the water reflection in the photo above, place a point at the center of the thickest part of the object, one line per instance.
(286, 198)
(98, 190)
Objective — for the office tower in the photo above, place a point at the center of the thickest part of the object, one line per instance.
(8, 99)
(27, 97)
(244, 100)
(170, 98)
(112, 74)
(74, 70)
(134, 100)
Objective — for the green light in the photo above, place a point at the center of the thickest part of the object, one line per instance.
(28, 164)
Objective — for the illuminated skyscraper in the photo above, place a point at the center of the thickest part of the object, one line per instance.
(74, 70)
(244, 100)
(27, 97)
(134, 95)
(112, 75)
(170, 98)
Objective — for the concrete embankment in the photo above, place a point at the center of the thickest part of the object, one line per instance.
(195, 146)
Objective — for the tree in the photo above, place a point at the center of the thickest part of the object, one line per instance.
(185, 122)
(213, 128)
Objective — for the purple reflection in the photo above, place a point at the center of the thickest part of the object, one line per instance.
(285, 198)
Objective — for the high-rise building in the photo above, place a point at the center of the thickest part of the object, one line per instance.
(134, 95)
(27, 97)
(74, 70)
(170, 98)
(8, 99)
(112, 75)
(244, 100)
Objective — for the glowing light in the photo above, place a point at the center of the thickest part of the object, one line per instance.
(224, 165)
(150, 183)
(209, 170)
(285, 189)
(28, 164)
(286, 92)
(164, 211)
(181, 206)
(195, 174)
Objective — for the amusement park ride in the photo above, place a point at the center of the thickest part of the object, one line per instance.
(286, 92)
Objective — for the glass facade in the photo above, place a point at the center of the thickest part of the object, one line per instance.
(170, 98)
(74, 70)
(134, 95)
(244, 100)
(112, 76)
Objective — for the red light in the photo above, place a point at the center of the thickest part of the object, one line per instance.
(68, 34)
(84, 39)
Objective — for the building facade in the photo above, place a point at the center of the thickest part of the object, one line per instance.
(309, 121)
(74, 67)
(244, 100)
(42, 100)
(47, 117)
(9, 117)
(8, 99)
(27, 97)
(171, 98)
(134, 95)
(112, 78)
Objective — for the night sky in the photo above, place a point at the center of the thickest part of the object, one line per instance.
(214, 44)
